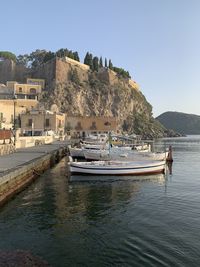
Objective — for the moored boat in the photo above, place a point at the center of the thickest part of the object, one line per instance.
(122, 153)
(76, 152)
(92, 154)
(118, 167)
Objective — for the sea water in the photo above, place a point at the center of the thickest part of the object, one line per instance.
(124, 221)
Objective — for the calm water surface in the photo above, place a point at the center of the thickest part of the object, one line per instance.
(121, 222)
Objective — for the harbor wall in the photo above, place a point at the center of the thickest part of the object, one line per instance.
(30, 141)
(17, 179)
(6, 149)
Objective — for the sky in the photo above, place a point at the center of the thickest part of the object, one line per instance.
(157, 41)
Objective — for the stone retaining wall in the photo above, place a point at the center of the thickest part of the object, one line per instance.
(15, 180)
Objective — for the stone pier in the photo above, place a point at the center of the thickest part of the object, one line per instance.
(19, 169)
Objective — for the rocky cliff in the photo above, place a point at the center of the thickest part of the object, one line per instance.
(77, 90)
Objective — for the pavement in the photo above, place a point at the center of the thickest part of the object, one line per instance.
(25, 155)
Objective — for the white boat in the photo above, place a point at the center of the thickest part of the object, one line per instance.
(92, 154)
(142, 148)
(117, 167)
(98, 138)
(95, 146)
(122, 153)
(155, 155)
(76, 152)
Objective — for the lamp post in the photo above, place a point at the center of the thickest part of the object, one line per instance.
(14, 116)
(108, 124)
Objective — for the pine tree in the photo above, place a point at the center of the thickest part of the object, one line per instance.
(90, 61)
(86, 59)
(76, 56)
(70, 54)
(106, 65)
(95, 62)
(100, 63)
(110, 65)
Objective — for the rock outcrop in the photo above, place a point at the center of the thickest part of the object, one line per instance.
(77, 90)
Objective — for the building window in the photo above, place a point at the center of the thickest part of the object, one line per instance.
(59, 124)
(30, 121)
(20, 89)
(107, 123)
(30, 97)
(12, 119)
(32, 90)
(68, 127)
(78, 126)
(47, 123)
(1, 116)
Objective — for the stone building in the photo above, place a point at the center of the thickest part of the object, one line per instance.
(18, 90)
(16, 98)
(42, 122)
(34, 81)
(12, 108)
(83, 126)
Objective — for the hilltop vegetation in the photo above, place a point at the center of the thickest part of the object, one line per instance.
(7, 55)
(180, 122)
(39, 57)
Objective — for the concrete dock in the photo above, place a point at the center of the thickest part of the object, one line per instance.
(19, 169)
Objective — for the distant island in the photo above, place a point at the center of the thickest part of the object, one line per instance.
(180, 122)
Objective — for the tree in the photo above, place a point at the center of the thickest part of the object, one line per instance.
(86, 59)
(95, 64)
(70, 55)
(63, 52)
(106, 65)
(100, 63)
(91, 61)
(121, 72)
(110, 65)
(23, 60)
(37, 57)
(7, 55)
(76, 56)
(48, 56)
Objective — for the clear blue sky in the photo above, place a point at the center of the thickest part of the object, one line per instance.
(157, 41)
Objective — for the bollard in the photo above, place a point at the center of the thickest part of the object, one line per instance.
(169, 157)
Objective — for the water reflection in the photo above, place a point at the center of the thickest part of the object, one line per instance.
(69, 222)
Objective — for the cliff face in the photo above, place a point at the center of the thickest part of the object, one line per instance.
(78, 91)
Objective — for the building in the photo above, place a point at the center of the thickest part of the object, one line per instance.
(34, 81)
(42, 122)
(19, 90)
(82, 126)
(10, 110)
(16, 98)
